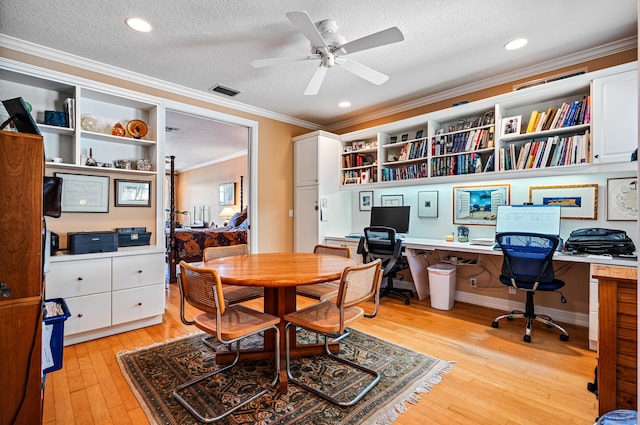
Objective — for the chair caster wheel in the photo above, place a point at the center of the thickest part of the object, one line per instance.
(494, 324)
(406, 302)
(564, 337)
(527, 338)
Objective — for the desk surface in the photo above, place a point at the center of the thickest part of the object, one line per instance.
(438, 244)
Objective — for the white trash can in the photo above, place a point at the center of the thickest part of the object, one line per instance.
(442, 285)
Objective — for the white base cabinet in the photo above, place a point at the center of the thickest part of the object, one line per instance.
(108, 293)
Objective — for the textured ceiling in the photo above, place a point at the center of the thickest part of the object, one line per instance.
(200, 43)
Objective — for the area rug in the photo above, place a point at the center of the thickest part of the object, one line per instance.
(153, 372)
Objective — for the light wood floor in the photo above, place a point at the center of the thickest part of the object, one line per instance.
(497, 378)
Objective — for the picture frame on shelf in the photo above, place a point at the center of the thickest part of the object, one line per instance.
(622, 199)
(479, 204)
(511, 125)
(488, 118)
(227, 193)
(419, 134)
(392, 200)
(365, 200)
(428, 204)
(132, 193)
(84, 193)
(404, 137)
(393, 139)
(578, 201)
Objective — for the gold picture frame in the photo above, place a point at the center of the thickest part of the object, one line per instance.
(578, 201)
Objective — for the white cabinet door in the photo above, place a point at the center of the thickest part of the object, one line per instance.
(306, 162)
(615, 117)
(306, 218)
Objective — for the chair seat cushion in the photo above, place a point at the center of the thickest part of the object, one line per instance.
(554, 285)
(237, 321)
(319, 291)
(324, 317)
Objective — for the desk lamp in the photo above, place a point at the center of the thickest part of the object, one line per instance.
(227, 213)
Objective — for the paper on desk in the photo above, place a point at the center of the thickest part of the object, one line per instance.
(47, 355)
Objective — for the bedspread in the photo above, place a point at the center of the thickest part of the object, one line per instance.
(190, 243)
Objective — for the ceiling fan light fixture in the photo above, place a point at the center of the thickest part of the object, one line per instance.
(516, 44)
(138, 24)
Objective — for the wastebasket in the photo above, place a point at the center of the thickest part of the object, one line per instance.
(442, 285)
(53, 335)
(619, 417)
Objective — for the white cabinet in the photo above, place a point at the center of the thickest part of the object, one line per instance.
(108, 293)
(615, 123)
(351, 244)
(318, 203)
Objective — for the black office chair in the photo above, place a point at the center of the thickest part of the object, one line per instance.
(528, 265)
(380, 242)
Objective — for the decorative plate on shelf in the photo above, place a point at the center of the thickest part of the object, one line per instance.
(137, 129)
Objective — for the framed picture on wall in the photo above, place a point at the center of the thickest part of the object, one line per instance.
(622, 199)
(428, 204)
(228, 193)
(133, 193)
(366, 200)
(478, 204)
(392, 200)
(84, 193)
(578, 201)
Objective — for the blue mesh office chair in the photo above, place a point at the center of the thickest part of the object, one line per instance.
(381, 242)
(528, 265)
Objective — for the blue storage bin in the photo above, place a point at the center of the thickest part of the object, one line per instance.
(57, 334)
(619, 417)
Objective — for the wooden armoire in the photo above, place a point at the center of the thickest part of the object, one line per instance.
(21, 286)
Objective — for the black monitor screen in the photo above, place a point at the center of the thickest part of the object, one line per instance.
(20, 116)
(394, 217)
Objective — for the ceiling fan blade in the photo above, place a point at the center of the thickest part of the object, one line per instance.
(305, 25)
(316, 80)
(261, 63)
(362, 71)
(384, 37)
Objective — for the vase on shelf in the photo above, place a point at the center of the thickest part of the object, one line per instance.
(118, 130)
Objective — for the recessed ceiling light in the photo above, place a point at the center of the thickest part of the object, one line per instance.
(138, 24)
(516, 44)
(344, 104)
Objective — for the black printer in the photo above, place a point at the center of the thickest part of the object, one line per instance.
(88, 242)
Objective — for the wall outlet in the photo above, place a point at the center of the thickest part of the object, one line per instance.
(512, 290)
(473, 282)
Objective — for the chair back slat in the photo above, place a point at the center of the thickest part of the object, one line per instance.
(359, 283)
(202, 288)
(213, 252)
(343, 251)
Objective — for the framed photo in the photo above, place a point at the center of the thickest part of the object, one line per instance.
(419, 134)
(392, 200)
(478, 204)
(393, 139)
(511, 125)
(133, 193)
(622, 199)
(366, 200)
(404, 137)
(84, 193)
(228, 193)
(428, 204)
(488, 118)
(578, 201)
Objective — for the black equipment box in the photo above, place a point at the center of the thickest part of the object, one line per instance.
(600, 241)
(88, 242)
(133, 236)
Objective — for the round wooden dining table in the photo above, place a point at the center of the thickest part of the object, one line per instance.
(279, 274)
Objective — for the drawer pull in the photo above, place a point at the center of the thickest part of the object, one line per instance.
(139, 271)
(139, 303)
(80, 278)
(79, 314)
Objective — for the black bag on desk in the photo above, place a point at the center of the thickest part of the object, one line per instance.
(600, 241)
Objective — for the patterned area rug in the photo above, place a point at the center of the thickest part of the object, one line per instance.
(153, 372)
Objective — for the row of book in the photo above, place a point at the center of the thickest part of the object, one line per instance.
(365, 175)
(406, 172)
(573, 113)
(481, 138)
(414, 150)
(356, 160)
(553, 152)
(467, 163)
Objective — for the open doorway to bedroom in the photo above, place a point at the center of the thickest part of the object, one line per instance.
(210, 191)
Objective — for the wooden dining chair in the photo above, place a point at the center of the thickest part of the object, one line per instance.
(233, 294)
(325, 290)
(331, 319)
(228, 324)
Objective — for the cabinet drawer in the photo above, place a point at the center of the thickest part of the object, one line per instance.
(75, 278)
(138, 270)
(88, 313)
(137, 303)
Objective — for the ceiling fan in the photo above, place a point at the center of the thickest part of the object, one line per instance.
(330, 48)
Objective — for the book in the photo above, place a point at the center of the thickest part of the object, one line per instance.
(523, 155)
(532, 121)
(550, 118)
(559, 116)
(540, 121)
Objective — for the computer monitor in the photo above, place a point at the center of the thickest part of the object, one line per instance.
(394, 217)
(20, 115)
(543, 219)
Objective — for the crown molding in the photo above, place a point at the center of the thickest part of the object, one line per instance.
(540, 68)
(26, 47)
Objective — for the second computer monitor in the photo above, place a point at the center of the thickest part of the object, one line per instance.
(543, 219)
(394, 217)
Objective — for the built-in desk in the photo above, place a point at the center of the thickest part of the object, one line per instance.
(415, 249)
